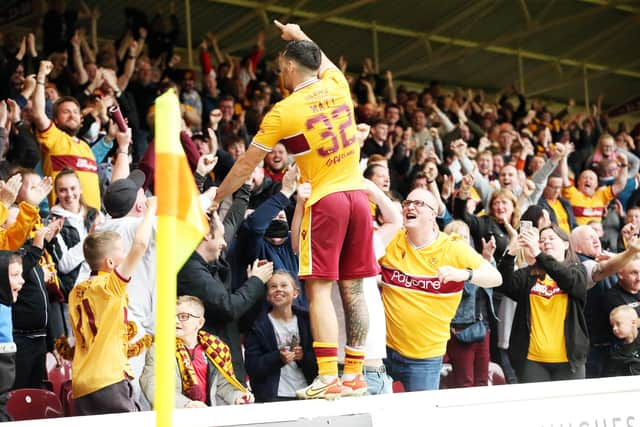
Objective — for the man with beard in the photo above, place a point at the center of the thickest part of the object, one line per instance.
(60, 146)
(275, 162)
(316, 124)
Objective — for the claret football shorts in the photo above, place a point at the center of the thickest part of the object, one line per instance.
(336, 238)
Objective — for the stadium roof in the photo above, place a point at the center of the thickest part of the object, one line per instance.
(552, 44)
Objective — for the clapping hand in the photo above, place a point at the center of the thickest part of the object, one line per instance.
(37, 193)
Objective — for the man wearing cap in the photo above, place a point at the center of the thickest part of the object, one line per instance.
(125, 202)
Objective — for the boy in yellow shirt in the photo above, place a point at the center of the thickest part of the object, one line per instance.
(98, 312)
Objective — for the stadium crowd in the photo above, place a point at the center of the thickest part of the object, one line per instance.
(505, 232)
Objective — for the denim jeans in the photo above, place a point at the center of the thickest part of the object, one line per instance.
(378, 381)
(414, 374)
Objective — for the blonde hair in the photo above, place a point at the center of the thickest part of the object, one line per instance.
(505, 193)
(456, 226)
(194, 301)
(288, 276)
(622, 309)
(98, 246)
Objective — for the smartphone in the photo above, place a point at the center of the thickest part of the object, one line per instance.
(50, 218)
(525, 226)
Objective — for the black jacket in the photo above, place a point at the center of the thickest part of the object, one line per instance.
(71, 237)
(624, 359)
(223, 306)
(482, 227)
(618, 295)
(263, 356)
(517, 285)
(30, 311)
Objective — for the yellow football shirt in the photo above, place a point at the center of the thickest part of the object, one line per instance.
(316, 123)
(548, 313)
(587, 209)
(61, 150)
(418, 307)
(98, 314)
(561, 216)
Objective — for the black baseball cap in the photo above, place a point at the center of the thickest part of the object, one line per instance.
(122, 193)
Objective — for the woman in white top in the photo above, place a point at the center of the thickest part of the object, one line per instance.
(78, 221)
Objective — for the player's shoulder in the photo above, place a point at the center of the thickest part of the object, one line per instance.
(334, 76)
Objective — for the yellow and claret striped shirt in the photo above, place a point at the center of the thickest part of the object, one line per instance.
(61, 150)
(587, 209)
(316, 123)
(418, 307)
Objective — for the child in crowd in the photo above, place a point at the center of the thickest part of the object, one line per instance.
(98, 312)
(279, 354)
(204, 373)
(11, 282)
(624, 358)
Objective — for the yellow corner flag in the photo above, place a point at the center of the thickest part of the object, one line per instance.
(181, 226)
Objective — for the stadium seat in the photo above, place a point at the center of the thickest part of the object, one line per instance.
(58, 375)
(66, 398)
(446, 376)
(33, 404)
(496, 375)
(51, 361)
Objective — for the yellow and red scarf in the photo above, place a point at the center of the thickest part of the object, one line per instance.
(63, 347)
(218, 354)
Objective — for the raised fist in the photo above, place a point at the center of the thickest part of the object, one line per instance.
(45, 68)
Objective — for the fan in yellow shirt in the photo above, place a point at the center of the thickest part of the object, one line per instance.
(98, 312)
(423, 274)
(588, 201)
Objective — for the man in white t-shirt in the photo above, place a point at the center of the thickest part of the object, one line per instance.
(376, 344)
(124, 201)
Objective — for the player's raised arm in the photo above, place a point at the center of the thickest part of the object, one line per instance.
(294, 32)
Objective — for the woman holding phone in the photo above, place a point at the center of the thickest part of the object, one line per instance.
(549, 339)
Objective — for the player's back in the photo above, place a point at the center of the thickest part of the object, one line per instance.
(316, 124)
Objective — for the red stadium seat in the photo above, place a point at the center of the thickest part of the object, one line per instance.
(496, 375)
(33, 404)
(58, 375)
(68, 403)
(398, 387)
